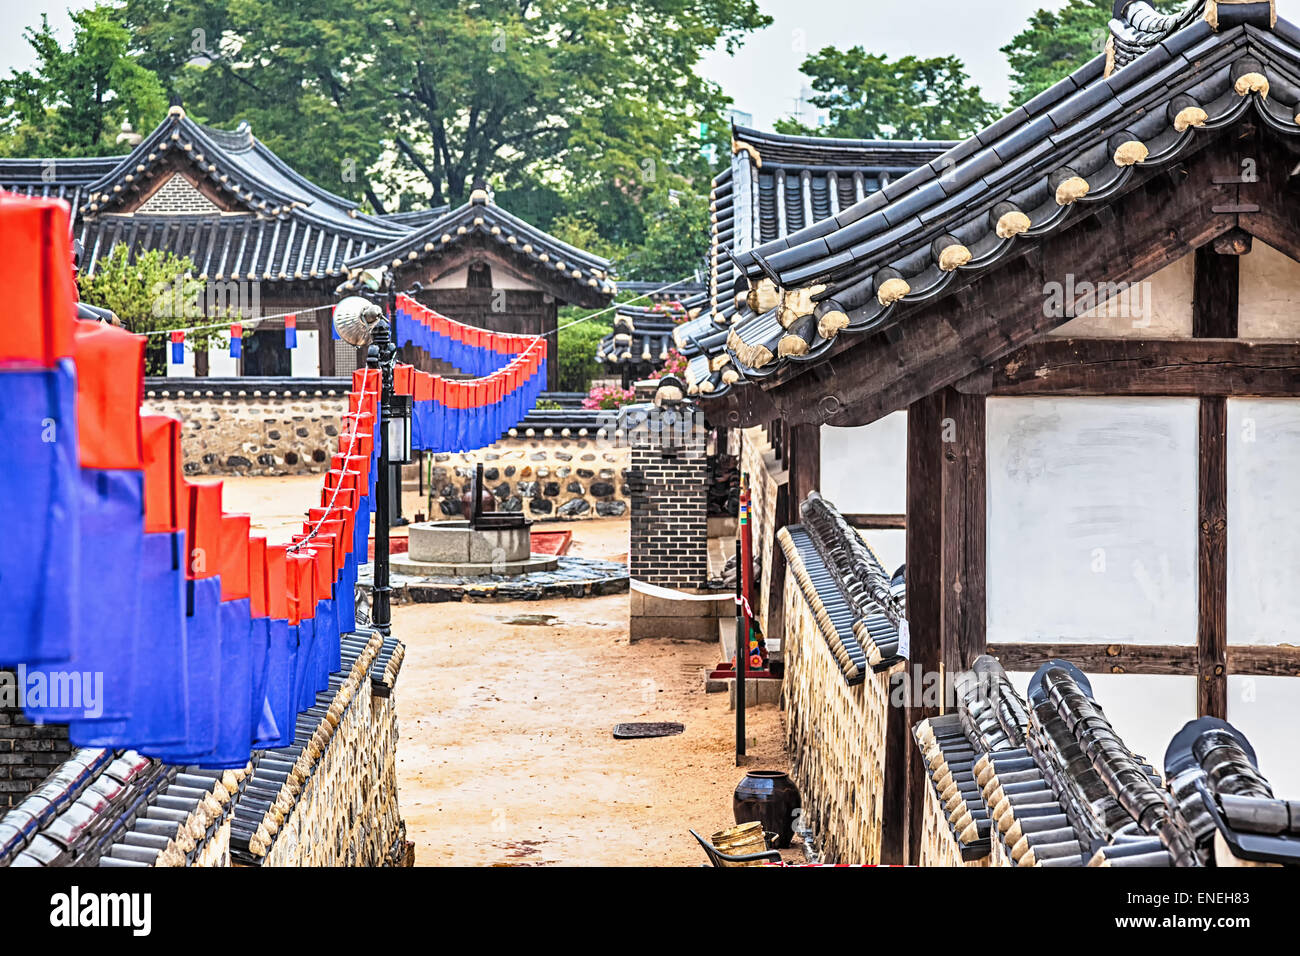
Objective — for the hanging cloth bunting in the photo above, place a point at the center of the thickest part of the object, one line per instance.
(235, 727)
(178, 347)
(290, 331)
(202, 509)
(38, 415)
(94, 683)
(236, 340)
(159, 686)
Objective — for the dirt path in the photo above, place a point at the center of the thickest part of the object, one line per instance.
(507, 756)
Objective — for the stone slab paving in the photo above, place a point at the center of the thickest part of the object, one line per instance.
(574, 578)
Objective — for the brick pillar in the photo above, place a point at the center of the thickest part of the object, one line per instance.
(28, 753)
(670, 516)
(668, 482)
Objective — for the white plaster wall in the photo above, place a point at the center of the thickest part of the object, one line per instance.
(183, 369)
(864, 470)
(1092, 520)
(1263, 523)
(221, 365)
(1146, 710)
(890, 546)
(1267, 711)
(304, 358)
(1268, 295)
(502, 278)
(1158, 307)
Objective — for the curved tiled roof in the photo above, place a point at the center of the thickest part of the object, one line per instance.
(273, 224)
(778, 184)
(1076, 144)
(587, 276)
(643, 334)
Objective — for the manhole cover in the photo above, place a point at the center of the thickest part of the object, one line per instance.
(634, 731)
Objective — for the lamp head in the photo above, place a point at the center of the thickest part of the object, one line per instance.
(354, 317)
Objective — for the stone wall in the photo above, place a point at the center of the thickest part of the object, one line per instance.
(28, 752)
(546, 478)
(254, 431)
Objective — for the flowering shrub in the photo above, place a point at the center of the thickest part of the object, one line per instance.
(608, 396)
(675, 364)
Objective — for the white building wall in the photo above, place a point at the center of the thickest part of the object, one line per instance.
(305, 356)
(1091, 520)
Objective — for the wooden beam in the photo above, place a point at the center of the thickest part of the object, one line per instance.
(1253, 660)
(868, 522)
(1261, 660)
(1214, 294)
(962, 432)
(1212, 560)
(1095, 658)
(1061, 366)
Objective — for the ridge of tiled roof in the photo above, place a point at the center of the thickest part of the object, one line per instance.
(961, 213)
(480, 217)
(283, 226)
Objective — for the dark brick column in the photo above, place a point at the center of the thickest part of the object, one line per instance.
(668, 479)
(28, 753)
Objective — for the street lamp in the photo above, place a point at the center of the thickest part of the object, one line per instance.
(359, 319)
(399, 430)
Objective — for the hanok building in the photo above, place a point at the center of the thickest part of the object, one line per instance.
(641, 341)
(268, 241)
(1061, 361)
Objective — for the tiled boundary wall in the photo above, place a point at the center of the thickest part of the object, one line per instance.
(254, 431)
(835, 736)
(559, 478)
(766, 479)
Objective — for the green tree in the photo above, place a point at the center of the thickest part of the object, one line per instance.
(73, 102)
(576, 350)
(154, 291)
(597, 99)
(677, 238)
(870, 96)
(1054, 44)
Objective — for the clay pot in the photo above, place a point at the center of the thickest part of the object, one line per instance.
(770, 797)
(467, 503)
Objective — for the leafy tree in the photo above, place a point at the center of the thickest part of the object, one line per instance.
(1054, 44)
(676, 242)
(870, 96)
(598, 99)
(576, 350)
(154, 291)
(73, 102)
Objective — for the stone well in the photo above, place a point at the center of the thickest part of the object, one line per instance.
(456, 548)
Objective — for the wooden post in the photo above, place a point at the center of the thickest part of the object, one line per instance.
(905, 777)
(804, 459)
(1214, 315)
(1212, 560)
(962, 432)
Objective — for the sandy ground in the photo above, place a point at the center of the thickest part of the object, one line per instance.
(507, 756)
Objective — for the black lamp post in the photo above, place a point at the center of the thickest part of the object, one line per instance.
(359, 320)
